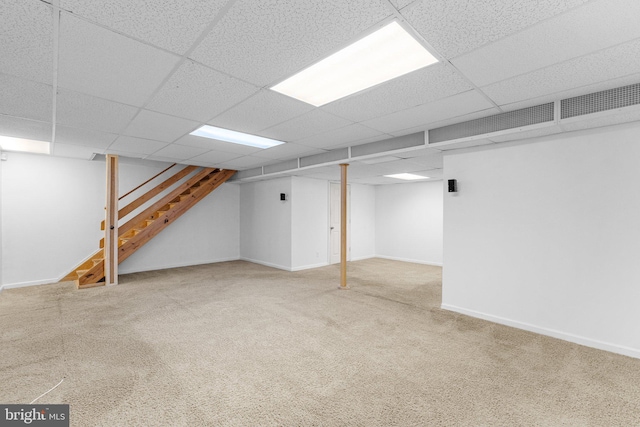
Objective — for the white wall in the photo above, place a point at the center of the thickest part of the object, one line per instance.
(409, 222)
(209, 232)
(546, 237)
(309, 223)
(265, 222)
(363, 221)
(1, 239)
(52, 208)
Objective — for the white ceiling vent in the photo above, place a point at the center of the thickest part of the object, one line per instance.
(499, 122)
(328, 157)
(281, 167)
(391, 144)
(605, 100)
(248, 173)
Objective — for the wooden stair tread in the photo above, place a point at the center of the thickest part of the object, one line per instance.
(145, 225)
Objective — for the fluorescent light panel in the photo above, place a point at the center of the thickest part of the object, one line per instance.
(383, 55)
(407, 176)
(8, 143)
(234, 137)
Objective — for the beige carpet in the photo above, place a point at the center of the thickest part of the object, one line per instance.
(239, 344)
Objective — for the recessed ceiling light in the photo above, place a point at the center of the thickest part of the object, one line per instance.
(407, 176)
(234, 137)
(8, 143)
(383, 55)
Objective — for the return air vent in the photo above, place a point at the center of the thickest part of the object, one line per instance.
(513, 119)
(600, 101)
(282, 166)
(392, 144)
(248, 173)
(329, 156)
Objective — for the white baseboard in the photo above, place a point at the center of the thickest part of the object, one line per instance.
(361, 258)
(267, 264)
(175, 265)
(307, 267)
(415, 261)
(601, 345)
(31, 283)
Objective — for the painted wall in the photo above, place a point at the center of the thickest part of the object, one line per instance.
(209, 232)
(1, 239)
(363, 221)
(309, 223)
(52, 208)
(265, 222)
(546, 237)
(409, 222)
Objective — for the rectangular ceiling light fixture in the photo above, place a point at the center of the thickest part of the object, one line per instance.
(407, 176)
(383, 55)
(234, 137)
(8, 143)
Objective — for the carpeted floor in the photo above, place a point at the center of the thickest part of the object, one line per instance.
(239, 344)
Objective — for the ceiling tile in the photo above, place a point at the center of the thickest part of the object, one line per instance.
(88, 138)
(262, 41)
(571, 74)
(245, 162)
(578, 32)
(99, 62)
(453, 106)
(312, 123)
(419, 87)
(399, 4)
(164, 159)
(25, 98)
(186, 18)
(289, 151)
(263, 110)
(136, 145)
(214, 144)
(87, 112)
(25, 128)
(213, 158)
(454, 27)
(347, 134)
(179, 152)
(161, 127)
(199, 93)
(27, 42)
(74, 151)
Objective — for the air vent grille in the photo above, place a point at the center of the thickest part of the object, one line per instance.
(282, 166)
(398, 143)
(513, 119)
(600, 101)
(329, 156)
(248, 173)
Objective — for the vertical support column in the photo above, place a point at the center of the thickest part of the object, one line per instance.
(343, 226)
(111, 223)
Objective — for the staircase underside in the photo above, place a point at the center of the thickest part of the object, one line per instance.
(136, 232)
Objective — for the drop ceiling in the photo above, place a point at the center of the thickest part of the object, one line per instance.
(134, 78)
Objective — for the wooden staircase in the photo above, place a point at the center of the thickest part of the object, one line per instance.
(137, 231)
